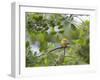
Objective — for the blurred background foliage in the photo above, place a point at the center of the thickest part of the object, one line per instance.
(44, 32)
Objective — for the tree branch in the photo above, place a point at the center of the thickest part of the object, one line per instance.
(55, 49)
(51, 51)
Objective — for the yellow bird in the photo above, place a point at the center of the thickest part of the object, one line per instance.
(64, 42)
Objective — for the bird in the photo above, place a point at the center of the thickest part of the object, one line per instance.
(64, 42)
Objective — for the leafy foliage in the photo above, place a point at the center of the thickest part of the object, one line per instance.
(48, 30)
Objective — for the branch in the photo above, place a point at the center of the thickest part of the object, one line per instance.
(51, 51)
(64, 51)
(55, 49)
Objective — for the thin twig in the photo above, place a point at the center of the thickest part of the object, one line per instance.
(55, 49)
(64, 51)
(51, 51)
